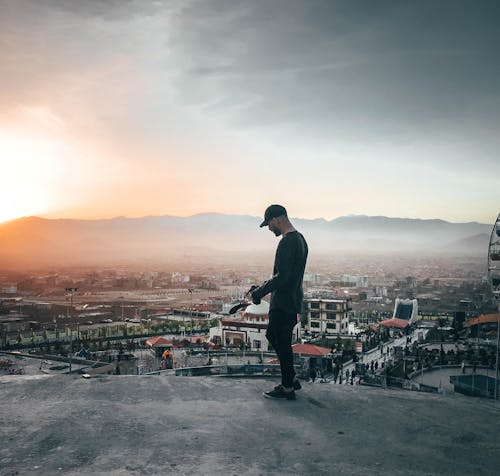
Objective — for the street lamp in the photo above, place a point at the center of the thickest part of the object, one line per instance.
(71, 291)
(191, 309)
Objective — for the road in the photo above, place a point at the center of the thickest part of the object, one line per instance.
(375, 355)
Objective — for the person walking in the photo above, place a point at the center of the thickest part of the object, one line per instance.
(286, 296)
(335, 372)
(312, 374)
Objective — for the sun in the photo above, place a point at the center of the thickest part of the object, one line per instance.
(26, 166)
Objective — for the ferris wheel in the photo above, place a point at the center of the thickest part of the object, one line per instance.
(494, 260)
(494, 277)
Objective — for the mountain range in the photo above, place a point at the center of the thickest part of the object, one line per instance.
(38, 241)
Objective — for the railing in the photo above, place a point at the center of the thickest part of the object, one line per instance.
(243, 370)
(394, 382)
(474, 385)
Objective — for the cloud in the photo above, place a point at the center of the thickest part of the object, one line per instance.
(318, 72)
(337, 72)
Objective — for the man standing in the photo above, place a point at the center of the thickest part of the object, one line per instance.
(286, 296)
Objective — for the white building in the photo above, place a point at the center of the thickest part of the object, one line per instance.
(9, 289)
(328, 316)
(246, 327)
(353, 329)
(315, 279)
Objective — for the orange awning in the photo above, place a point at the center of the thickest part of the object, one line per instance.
(395, 322)
(310, 349)
(161, 341)
(485, 319)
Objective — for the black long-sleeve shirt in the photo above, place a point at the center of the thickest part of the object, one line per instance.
(286, 284)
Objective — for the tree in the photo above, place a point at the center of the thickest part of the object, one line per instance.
(442, 322)
(57, 347)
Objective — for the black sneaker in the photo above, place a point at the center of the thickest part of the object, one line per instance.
(279, 392)
(296, 385)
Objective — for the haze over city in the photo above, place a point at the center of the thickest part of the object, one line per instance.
(132, 108)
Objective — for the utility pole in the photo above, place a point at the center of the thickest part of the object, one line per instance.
(191, 308)
(71, 291)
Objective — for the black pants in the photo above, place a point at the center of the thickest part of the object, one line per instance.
(279, 334)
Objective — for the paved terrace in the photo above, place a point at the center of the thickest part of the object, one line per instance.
(125, 425)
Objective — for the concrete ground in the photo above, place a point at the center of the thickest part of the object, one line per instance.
(126, 425)
(34, 366)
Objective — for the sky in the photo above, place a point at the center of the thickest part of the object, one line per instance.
(331, 108)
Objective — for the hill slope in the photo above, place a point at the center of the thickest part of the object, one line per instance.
(42, 241)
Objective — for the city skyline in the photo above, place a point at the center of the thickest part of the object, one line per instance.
(179, 108)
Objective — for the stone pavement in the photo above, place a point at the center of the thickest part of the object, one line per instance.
(128, 425)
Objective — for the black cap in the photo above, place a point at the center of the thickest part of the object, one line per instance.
(271, 212)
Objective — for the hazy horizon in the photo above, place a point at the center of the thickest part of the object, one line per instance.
(206, 236)
(257, 217)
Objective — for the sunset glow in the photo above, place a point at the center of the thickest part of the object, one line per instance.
(175, 108)
(27, 166)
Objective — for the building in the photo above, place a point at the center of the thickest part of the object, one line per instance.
(485, 326)
(326, 316)
(406, 309)
(315, 279)
(8, 289)
(13, 322)
(354, 280)
(405, 313)
(246, 329)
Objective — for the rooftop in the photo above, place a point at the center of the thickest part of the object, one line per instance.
(257, 309)
(125, 425)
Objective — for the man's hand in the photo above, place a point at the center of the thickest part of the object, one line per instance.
(252, 289)
(251, 292)
(255, 299)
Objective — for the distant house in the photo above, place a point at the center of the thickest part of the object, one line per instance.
(158, 345)
(247, 328)
(158, 342)
(484, 326)
(327, 316)
(12, 322)
(8, 289)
